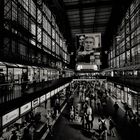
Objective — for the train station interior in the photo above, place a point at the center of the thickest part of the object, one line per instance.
(69, 69)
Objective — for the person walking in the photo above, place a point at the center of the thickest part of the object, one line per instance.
(126, 107)
(111, 127)
(89, 117)
(72, 114)
(98, 103)
(50, 122)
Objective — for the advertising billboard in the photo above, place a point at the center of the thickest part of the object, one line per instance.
(25, 108)
(88, 49)
(7, 118)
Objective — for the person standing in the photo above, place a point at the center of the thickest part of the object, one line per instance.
(126, 107)
(57, 107)
(89, 117)
(98, 102)
(50, 122)
(111, 127)
(72, 114)
(81, 43)
(24, 79)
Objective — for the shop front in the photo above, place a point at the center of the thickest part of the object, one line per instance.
(8, 123)
(135, 100)
(32, 115)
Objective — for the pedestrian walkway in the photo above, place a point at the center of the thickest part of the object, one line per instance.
(66, 130)
(126, 129)
(95, 126)
(12, 98)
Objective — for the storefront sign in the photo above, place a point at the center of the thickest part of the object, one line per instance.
(56, 91)
(42, 99)
(25, 108)
(52, 93)
(59, 88)
(35, 102)
(66, 84)
(10, 116)
(63, 86)
(48, 95)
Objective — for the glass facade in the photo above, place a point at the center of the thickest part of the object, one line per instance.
(32, 25)
(127, 40)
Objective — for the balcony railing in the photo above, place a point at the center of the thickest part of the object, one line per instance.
(11, 91)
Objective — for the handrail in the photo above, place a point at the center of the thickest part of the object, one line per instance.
(20, 83)
(25, 82)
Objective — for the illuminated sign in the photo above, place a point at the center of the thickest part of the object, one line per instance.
(48, 95)
(10, 116)
(42, 99)
(61, 88)
(25, 108)
(86, 67)
(52, 93)
(67, 84)
(35, 102)
(56, 91)
(88, 49)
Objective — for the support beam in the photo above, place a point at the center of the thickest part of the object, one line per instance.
(90, 25)
(90, 5)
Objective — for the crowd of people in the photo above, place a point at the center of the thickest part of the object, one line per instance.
(93, 104)
(91, 108)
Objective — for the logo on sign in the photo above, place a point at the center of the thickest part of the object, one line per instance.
(35, 102)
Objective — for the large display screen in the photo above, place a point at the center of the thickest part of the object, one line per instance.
(88, 49)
